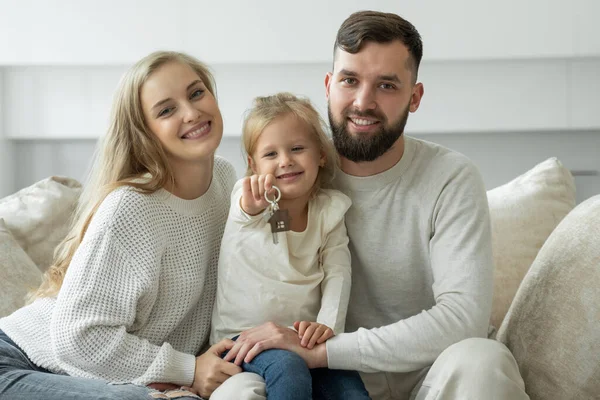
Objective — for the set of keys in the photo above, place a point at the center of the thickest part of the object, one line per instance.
(278, 219)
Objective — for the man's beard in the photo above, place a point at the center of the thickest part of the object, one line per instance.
(367, 148)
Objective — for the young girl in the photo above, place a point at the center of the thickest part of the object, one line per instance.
(305, 277)
(130, 295)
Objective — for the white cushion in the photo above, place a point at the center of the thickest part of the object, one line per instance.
(553, 325)
(39, 215)
(18, 274)
(523, 213)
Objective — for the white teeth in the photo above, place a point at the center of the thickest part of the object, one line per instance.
(197, 132)
(363, 122)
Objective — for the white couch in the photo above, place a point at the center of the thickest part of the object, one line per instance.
(557, 302)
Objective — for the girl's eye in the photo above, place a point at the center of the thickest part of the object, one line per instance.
(270, 154)
(165, 111)
(197, 93)
(297, 148)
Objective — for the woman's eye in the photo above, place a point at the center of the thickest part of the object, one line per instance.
(165, 111)
(197, 93)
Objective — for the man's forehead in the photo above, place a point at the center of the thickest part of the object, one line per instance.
(374, 59)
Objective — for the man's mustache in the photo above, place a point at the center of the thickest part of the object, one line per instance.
(367, 113)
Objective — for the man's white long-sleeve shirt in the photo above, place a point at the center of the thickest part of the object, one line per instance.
(422, 265)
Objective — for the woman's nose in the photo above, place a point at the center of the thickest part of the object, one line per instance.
(191, 113)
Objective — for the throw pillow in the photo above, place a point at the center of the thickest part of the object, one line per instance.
(553, 325)
(523, 213)
(18, 274)
(39, 215)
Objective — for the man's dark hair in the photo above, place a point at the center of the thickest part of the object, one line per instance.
(379, 27)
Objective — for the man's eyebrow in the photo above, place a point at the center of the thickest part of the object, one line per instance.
(389, 78)
(167, 99)
(347, 72)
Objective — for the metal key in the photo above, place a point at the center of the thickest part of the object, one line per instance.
(279, 219)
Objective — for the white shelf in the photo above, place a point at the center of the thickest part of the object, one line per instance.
(502, 96)
(584, 94)
(118, 32)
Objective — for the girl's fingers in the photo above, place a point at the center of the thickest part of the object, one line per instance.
(255, 187)
(316, 335)
(307, 335)
(302, 329)
(261, 185)
(269, 182)
(325, 336)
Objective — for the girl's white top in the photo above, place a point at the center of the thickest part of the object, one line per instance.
(306, 276)
(136, 302)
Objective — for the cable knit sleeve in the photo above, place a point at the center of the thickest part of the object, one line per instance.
(335, 260)
(105, 294)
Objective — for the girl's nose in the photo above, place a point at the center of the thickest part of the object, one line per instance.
(285, 161)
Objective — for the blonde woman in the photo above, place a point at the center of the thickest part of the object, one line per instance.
(304, 279)
(130, 295)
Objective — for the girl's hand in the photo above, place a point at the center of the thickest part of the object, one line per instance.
(254, 187)
(211, 370)
(311, 333)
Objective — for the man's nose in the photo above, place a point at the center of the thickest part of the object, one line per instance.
(365, 99)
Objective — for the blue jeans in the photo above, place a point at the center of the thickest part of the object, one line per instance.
(20, 379)
(287, 377)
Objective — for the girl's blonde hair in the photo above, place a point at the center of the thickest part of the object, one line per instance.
(128, 152)
(266, 109)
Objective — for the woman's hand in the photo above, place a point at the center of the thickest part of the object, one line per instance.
(211, 370)
(253, 193)
(312, 333)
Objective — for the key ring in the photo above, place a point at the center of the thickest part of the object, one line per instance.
(275, 199)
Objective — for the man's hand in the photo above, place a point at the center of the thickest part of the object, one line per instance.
(211, 370)
(253, 193)
(269, 335)
(312, 333)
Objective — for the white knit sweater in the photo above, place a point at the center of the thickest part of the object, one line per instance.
(136, 302)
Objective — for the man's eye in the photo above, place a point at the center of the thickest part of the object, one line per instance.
(387, 86)
(349, 81)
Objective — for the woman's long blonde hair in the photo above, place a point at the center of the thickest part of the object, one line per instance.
(266, 109)
(128, 152)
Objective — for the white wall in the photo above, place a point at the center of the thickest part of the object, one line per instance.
(508, 83)
(7, 181)
(117, 32)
